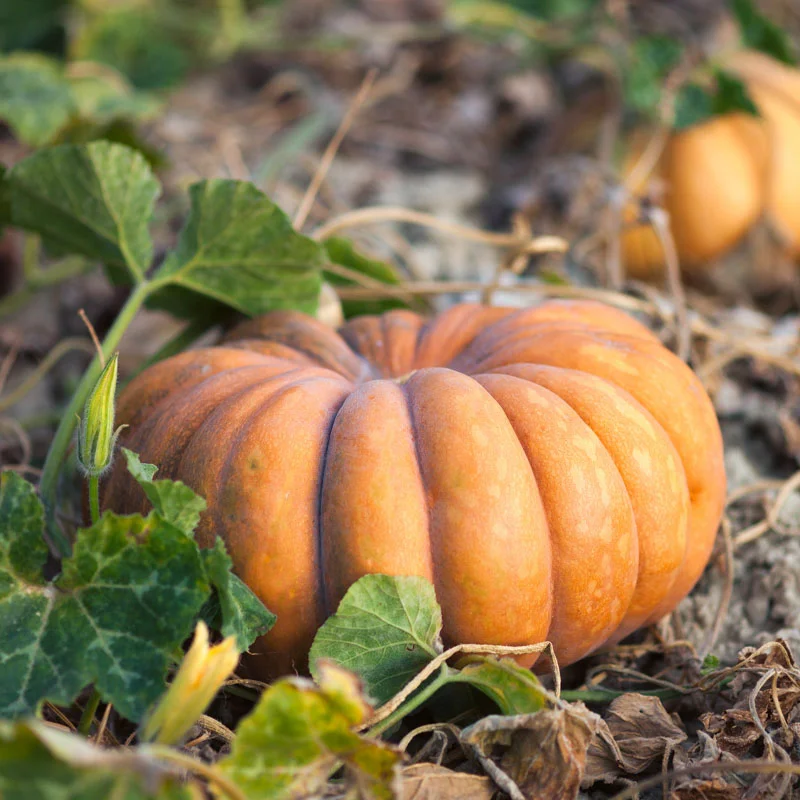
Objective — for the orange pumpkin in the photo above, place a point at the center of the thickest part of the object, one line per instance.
(555, 471)
(720, 176)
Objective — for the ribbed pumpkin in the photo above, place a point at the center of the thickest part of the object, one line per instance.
(555, 471)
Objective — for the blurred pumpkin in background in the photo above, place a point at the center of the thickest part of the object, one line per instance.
(717, 178)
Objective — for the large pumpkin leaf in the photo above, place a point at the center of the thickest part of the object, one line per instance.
(125, 600)
(38, 762)
(300, 733)
(386, 630)
(239, 249)
(94, 200)
(35, 99)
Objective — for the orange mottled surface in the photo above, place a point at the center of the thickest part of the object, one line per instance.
(555, 472)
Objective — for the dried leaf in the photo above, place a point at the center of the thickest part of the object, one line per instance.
(639, 733)
(543, 753)
(434, 782)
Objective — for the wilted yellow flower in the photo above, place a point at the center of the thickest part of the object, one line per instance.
(199, 677)
(96, 434)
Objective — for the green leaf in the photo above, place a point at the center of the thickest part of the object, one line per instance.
(732, 95)
(136, 43)
(32, 25)
(651, 59)
(515, 689)
(35, 99)
(693, 105)
(239, 249)
(298, 735)
(174, 501)
(94, 200)
(38, 762)
(761, 33)
(101, 101)
(125, 600)
(233, 609)
(342, 252)
(385, 630)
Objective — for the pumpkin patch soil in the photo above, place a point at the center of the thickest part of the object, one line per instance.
(463, 133)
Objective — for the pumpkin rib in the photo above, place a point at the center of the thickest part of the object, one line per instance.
(372, 457)
(654, 478)
(487, 525)
(588, 510)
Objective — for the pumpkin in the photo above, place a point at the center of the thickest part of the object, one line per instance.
(554, 471)
(720, 176)
(713, 177)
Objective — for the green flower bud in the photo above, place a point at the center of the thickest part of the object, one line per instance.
(96, 434)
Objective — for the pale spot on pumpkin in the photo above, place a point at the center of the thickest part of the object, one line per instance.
(582, 528)
(494, 490)
(479, 436)
(535, 398)
(623, 544)
(602, 480)
(605, 355)
(578, 477)
(591, 587)
(585, 444)
(606, 530)
(643, 460)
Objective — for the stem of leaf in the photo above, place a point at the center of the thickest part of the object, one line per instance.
(414, 702)
(58, 449)
(89, 710)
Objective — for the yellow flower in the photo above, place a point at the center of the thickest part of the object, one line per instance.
(199, 677)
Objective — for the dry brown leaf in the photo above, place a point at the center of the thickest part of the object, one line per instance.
(434, 782)
(636, 734)
(544, 753)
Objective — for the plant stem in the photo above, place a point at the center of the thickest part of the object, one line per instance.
(90, 709)
(94, 498)
(58, 449)
(414, 702)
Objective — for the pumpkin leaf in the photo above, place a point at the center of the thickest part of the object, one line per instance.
(342, 252)
(693, 105)
(238, 249)
(732, 95)
(102, 620)
(761, 33)
(385, 630)
(38, 762)
(650, 60)
(300, 733)
(233, 609)
(514, 689)
(35, 99)
(94, 200)
(174, 501)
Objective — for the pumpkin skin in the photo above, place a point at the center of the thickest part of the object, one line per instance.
(555, 472)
